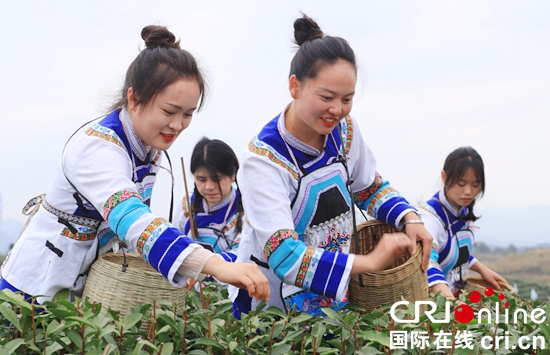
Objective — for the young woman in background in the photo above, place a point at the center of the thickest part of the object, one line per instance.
(448, 216)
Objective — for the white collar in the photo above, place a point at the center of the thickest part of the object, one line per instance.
(221, 204)
(449, 206)
(136, 144)
(292, 140)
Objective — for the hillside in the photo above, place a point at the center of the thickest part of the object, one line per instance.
(528, 269)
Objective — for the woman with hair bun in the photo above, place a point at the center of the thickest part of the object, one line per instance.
(217, 209)
(449, 215)
(301, 177)
(101, 192)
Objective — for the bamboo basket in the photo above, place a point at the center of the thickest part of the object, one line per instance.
(121, 291)
(478, 283)
(404, 279)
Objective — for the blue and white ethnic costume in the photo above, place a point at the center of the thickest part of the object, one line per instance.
(216, 225)
(114, 174)
(298, 219)
(453, 242)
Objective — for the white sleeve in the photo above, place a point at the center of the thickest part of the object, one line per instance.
(266, 190)
(179, 218)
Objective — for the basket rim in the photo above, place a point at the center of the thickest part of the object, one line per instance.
(480, 278)
(102, 259)
(372, 222)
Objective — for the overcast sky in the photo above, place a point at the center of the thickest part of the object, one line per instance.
(434, 75)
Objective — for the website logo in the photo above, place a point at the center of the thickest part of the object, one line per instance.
(498, 313)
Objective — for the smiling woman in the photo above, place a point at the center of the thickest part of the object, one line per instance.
(159, 123)
(301, 178)
(101, 192)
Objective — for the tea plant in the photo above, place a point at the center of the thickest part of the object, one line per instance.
(206, 326)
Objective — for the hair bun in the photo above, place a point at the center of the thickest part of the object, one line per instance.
(158, 36)
(305, 29)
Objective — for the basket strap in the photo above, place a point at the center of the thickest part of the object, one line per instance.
(344, 159)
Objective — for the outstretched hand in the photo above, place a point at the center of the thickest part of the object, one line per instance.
(245, 276)
(493, 278)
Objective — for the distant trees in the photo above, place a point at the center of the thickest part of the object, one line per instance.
(481, 247)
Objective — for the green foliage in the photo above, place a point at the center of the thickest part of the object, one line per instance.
(206, 326)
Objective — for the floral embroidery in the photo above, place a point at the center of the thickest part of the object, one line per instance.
(78, 236)
(348, 133)
(365, 194)
(273, 157)
(305, 265)
(117, 198)
(147, 233)
(312, 268)
(381, 197)
(277, 239)
(104, 133)
(232, 223)
(335, 241)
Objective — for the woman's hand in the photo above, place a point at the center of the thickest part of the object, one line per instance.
(417, 232)
(489, 275)
(390, 247)
(189, 284)
(245, 276)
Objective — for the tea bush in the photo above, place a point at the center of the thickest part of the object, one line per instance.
(206, 326)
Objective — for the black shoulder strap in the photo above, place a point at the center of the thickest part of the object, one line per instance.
(172, 190)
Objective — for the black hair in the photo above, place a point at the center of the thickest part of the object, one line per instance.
(316, 50)
(455, 167)
(218, 159)
(160, 64)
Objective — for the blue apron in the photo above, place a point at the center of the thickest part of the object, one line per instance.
(322, 218)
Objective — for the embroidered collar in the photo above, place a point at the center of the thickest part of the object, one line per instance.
(450, 207)
(217, 206)
(293, 141)
(136, 144)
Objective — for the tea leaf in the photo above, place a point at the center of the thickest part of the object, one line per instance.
(281, 349)
(61, 313)
(167, 349)
(62, 295)
(82, 321)
(10, 316)
(131, 320)
(14, 298)
(74, 337)
(13, 345)
(546, 331)
(54, 348)
(208, 342)
(376, 336)
(107, 330)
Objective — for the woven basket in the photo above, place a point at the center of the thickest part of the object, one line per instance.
(478, 283)
(404, 279)
(121, 291)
